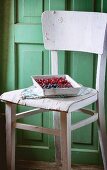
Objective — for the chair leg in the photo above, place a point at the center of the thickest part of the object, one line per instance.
(102, 134)
(66, 140)
(57, 138)
(10, 136)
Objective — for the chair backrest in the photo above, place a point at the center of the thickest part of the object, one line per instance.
(74, 31)
(77, 31)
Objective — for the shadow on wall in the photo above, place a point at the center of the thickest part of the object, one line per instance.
(5, 8)
(2, 144)
(6, 41)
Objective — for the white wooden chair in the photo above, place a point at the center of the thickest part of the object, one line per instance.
(72, 31)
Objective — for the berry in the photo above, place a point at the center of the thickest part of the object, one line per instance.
(53, 82)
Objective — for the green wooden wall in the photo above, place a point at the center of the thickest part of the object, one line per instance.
(22, 54)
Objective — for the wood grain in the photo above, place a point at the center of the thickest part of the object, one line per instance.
(32, 165)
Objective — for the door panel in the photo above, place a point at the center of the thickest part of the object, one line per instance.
(32, 59)
(27, 34)
(29, 57)
(29, 11)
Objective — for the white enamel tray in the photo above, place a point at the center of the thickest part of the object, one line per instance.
(72, 91)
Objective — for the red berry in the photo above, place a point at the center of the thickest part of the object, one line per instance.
(53, 82)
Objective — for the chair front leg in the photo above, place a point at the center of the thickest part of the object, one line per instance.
(10, 114)
(102, 132)
(66, 140)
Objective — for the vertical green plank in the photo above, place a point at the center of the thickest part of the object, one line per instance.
(84, 140)
(32, 8)
(97, 5)
(76, 5)
(61, 62)
(1, 42)
(83, 5)
(45, 64)
(46, 5)
(83, 68)
(29, 11)
(104, 6)
(1, 50)
(105, 10)
(8, 47)
(57, 4)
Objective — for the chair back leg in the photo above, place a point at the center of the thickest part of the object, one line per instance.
(102, 133)
(10, 135)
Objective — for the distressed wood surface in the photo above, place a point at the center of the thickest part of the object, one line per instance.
(84, 122)
(24, 165)
(2, 143)
(10, 135)
(29, 113)
(66, 140)
(59, 104)
(56, 115)
(39, 129)
(61, 31)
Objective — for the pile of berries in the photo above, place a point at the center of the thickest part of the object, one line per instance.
(53, 82)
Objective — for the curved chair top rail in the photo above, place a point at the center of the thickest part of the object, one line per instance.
(74, 31)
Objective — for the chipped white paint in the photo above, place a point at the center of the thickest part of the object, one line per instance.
(77, 31)
(59, 104)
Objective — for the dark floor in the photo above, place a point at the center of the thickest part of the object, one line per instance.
(73, 168)
(2, 143)
(22, 165)
(32, 165)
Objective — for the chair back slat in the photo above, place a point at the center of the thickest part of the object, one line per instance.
(74, 31)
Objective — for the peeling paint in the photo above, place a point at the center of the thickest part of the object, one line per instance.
(46, 36)
(60, 20)
(54, 12)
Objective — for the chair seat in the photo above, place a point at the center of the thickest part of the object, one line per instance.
(60, 104)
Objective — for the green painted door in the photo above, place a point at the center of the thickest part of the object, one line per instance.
(27, 57)
(32, 59)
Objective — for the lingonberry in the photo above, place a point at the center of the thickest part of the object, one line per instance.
(53, 82)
